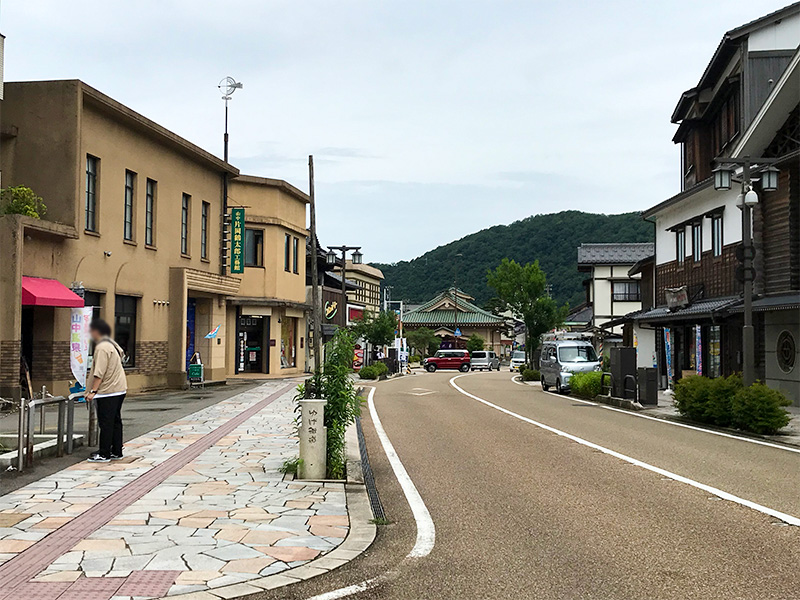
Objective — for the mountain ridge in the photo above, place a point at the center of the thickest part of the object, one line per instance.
(551, 238)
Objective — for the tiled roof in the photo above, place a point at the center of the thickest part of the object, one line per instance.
(614, 254)
(581, 314)
(696, 309)
(468, 313)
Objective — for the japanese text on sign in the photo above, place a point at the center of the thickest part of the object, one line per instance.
(237, 240)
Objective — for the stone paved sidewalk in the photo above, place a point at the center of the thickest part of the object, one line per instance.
(220, 515)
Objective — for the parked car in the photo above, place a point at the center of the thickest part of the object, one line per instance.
(448, 359)
(560, 359)
(517, 361)
(484, 359)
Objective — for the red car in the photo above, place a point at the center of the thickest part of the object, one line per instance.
(448, 359)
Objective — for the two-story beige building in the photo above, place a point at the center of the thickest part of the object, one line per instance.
(133, 225)
(366, 295)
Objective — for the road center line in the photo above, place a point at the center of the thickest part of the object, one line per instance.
(668, 422)
(791, 520)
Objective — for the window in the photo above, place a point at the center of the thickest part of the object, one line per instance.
(125, 327)
(288, 337)
(253, 248)
(92, 164)
(127, 218)
(697, 241)
(286, 252)
(204, 230)
(150, 213)
(577, 354)
(95, 300)
(680, 245)
(716, 235)
(725, 126)
(295, 254)
(185, 224)
(626, 291)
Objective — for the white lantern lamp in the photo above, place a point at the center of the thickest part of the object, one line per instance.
(769, 179)
(722, 178)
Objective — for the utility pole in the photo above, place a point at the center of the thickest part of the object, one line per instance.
(316, 317)
(455, 298)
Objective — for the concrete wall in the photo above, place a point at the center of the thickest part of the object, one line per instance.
(774, 323)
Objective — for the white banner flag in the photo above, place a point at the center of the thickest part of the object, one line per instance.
(79, 342)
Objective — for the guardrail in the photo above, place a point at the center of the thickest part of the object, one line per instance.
(65, 425)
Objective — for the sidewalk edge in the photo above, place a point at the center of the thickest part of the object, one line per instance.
(360, 536)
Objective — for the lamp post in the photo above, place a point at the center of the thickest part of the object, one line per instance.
(358, 257)
(723, 176)
(227, 86)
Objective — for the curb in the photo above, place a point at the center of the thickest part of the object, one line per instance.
(360, 536)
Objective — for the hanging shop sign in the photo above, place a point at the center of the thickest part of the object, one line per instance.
(237, 240)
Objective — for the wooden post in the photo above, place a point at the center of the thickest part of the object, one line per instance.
(315, 299)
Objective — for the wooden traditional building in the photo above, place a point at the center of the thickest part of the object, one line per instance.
(745, 105)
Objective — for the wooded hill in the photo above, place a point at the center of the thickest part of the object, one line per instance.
(551, 239)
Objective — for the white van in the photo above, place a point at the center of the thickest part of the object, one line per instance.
(560, 359)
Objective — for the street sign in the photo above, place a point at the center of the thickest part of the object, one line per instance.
(237, 240)
(457, 332)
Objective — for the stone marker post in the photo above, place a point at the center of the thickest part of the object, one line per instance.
(313, 439)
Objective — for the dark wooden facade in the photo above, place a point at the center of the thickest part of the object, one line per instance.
(711, 277)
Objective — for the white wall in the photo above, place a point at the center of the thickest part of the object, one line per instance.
(778, 36)
(698, 204)
(646, 346)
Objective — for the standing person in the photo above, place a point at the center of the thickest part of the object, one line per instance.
(108, 388)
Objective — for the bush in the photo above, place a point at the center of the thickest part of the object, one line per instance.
(759, 409)
(369, 372)
(415, 358)
(531, 375)
(21, 200)
(381, 368)
(475, 343)
(586, 385)
(727, 403)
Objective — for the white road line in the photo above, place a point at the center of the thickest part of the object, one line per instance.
(426, 531)
(676, 424)
(791, 520)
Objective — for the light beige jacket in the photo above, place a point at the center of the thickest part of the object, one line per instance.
(107, 365)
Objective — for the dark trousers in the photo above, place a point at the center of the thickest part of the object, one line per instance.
(109, 418)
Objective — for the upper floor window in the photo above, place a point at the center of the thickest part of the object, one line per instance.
(127, 218)
(150, 213)
(204, 230)
(125, 327)
(287, 252)
(725, 126)
(92, 168)
(697, 241)
(680, 245)
(626, 291)
(716, 235)
(295, 255)
(185, 215)
(253, 248)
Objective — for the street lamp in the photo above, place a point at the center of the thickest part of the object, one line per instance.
(227, 86)
(331, 259)
(749, 198)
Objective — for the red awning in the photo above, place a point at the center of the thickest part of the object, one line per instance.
(48, 292)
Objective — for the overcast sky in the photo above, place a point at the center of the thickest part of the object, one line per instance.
(428, 119)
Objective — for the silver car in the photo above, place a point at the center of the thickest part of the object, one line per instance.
(560, 359)
(484, 359)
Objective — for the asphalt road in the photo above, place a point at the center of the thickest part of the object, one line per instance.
(521, 512)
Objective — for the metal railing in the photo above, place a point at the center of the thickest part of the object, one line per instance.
(65, 425)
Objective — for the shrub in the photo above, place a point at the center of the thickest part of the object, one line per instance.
(759, 409)
(531, 375)
(415, 358)
(21, 200)
(692, 398)
(369, 372)
(475, 343)
(586, 385)
(381, 368)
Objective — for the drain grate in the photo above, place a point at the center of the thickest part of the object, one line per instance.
(369, 478)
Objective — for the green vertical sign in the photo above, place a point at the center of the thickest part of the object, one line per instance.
(237, 240)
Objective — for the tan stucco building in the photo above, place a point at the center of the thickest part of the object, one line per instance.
(134, 222)
(366, 295)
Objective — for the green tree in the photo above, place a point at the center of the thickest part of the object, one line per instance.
(21, 200)
(475, 342)
(422, 339)
(378, 329)
(523, 289)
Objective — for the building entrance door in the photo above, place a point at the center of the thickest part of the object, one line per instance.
(253, 352)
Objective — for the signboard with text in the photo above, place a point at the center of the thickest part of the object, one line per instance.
(237, 240)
